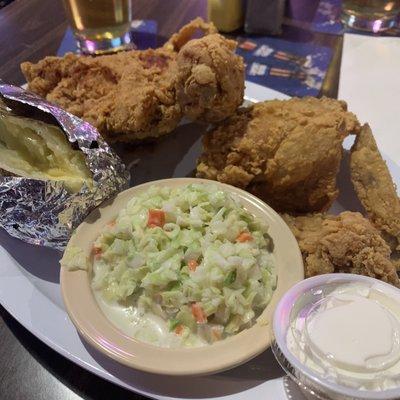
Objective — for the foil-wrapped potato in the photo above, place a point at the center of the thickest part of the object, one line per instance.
(51, 174)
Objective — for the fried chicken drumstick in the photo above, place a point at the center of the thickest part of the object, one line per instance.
(286, 152)
(135, 94)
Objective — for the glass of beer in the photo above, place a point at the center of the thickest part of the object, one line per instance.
(100, 26)
(370, 15)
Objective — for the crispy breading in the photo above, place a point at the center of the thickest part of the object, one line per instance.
(210, 82)
(132, 95)
(127, 96)
(344, 243)
(286, 152)
(180, 38)
(374, 187)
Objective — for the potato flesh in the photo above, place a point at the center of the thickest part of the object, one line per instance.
(32, 149)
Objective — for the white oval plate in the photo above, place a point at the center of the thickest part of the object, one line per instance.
(30, 291)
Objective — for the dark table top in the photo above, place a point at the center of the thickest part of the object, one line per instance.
(30, 30)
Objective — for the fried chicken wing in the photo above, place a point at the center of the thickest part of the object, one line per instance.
(132, 95)
(375, 188)
(286, 152)
(344, 243)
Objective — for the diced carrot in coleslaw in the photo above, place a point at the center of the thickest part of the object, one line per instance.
(244, 237)
(198, 313)
(156, 218)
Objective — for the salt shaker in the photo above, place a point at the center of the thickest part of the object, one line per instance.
(227, 15)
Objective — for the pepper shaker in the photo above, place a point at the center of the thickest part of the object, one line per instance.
(264, 16)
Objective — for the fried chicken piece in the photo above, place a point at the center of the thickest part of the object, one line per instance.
(210, 84)
(132, 95)
(185, 34)
(375, 188)
(344, 243)
(286, 152)
(126, 96)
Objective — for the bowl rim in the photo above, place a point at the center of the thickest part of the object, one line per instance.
(282, 315)
(99, 332)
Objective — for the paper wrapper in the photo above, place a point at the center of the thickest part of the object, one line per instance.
(42, 212)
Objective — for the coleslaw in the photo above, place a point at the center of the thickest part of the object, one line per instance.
(190, 258)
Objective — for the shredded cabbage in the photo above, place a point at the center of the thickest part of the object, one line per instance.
(208, 270)
(74, 258)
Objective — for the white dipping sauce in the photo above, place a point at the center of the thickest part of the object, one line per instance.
(351, 336)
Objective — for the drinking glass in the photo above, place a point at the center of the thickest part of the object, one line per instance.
(100, 26)
(370, 15)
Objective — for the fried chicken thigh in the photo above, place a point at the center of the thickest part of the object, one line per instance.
(375, 188)
(344, 243)
(286, 152)
(134, 95)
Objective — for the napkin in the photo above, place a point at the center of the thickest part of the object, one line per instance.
(370, 84)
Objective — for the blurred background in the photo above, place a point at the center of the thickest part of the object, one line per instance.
(293, 46)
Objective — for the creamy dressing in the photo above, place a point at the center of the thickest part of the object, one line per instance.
(146, 327)
(351, 336)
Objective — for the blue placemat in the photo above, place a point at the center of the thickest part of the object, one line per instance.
(296, 69)
(143, 32)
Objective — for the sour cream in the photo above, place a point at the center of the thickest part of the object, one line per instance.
(350, 336)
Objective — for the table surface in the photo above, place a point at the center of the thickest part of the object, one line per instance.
(30, 30)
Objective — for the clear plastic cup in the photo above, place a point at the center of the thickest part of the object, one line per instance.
(300, 297)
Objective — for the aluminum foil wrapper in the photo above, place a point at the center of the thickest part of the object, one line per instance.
(42, 212)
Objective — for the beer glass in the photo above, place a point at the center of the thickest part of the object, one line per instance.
(370, 15)
(100, 26)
